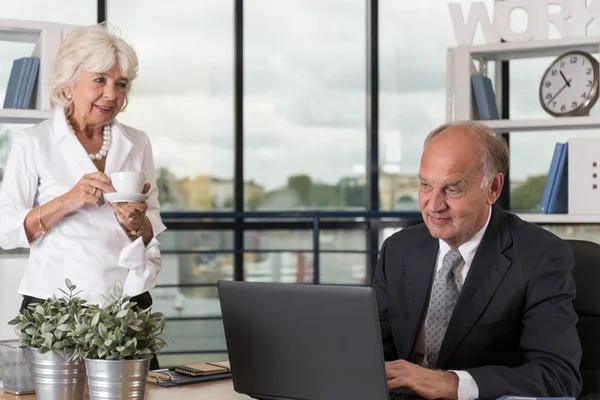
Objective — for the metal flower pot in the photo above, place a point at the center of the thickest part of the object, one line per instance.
(117, 379)
(57, 378)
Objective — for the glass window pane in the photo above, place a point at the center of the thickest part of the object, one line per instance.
(343, 268)
(279, 266)
(183, 96)
(412, 84)
(195, 335)
(287, 256)
(193, 257)
(305, 141)
(580, 232)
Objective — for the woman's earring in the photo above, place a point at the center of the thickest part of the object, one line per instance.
(69, 97)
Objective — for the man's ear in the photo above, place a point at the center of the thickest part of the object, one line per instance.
(495, 188)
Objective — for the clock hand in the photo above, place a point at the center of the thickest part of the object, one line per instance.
(566, 81)
(560, 90)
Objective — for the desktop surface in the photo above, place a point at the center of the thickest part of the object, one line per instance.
(299, 341)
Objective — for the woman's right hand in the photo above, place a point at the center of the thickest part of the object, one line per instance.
(89, 190)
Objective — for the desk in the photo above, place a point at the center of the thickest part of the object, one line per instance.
(217, 390)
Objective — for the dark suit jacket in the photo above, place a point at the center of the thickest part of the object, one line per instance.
(513, 328)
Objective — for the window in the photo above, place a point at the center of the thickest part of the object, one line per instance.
(305, 86)
(183, 96)
(413, 42)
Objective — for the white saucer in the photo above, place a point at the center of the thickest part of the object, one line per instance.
(125, 197)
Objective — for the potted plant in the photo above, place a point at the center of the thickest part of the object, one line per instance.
(117, 341)
(48, 330)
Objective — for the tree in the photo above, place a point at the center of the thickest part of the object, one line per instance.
(168, 189)
(528, 195)
(302, 184)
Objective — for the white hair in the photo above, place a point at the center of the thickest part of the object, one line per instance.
(96, 49)
(494, 150)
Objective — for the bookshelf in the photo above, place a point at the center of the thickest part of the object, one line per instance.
(459, 67)
(47, 37)
(20, 116)
(545, 124)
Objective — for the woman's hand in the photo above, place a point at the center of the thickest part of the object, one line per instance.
(131, 215)
(89, 190)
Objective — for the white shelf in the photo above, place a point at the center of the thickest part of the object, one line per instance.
(14, 30)
(543, 124)
(560, 218)
(533, 49)
(23, 116)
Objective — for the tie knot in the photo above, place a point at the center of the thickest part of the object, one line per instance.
(451, 260)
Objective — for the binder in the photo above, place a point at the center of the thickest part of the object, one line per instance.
(484, 97)
(555, 194)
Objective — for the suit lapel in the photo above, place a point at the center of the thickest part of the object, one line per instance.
(419, 267)
(486, 272)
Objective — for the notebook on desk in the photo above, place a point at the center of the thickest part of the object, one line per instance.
(189, 374)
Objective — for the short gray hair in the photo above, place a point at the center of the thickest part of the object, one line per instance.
(494, 150)
(94, 48)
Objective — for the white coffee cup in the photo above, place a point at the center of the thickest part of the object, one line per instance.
(128, 182)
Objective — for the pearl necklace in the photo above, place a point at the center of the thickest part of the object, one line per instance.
(106, 142)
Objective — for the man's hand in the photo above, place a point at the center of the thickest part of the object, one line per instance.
(431, 384)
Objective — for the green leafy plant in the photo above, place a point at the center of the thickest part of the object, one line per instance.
(51, 326)
(117, 330)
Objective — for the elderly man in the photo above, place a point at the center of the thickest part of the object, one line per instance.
(475, 302)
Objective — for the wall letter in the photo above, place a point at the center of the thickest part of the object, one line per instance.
(582, 15)
(543, 17)
(502, 20)
(465, 32)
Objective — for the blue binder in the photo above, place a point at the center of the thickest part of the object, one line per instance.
(555, 197)
(15, 83)
(484, 97)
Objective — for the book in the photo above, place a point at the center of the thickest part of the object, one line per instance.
(188, 374)
(200, 369)
(555, 196)
(15, 83)
(484, 97)
(30, 83)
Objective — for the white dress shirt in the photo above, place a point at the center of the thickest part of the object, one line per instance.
(87, 246)
(467, 387)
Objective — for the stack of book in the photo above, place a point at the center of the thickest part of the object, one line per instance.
(22, 83)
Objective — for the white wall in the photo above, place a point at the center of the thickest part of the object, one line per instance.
(11, 271)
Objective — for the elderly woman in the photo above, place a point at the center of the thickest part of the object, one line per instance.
(52, 197)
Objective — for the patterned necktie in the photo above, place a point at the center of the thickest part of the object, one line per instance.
(444, 295)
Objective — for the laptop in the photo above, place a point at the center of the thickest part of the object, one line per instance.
(297, 341)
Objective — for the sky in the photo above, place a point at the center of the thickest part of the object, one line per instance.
(305, 82)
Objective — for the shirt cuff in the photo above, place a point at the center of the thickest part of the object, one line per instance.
(13, 227)
(157, 226)
(143, 263)
(467, 387)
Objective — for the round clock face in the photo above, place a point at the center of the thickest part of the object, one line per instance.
(570, 85)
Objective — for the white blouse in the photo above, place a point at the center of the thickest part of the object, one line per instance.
(87, 246)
